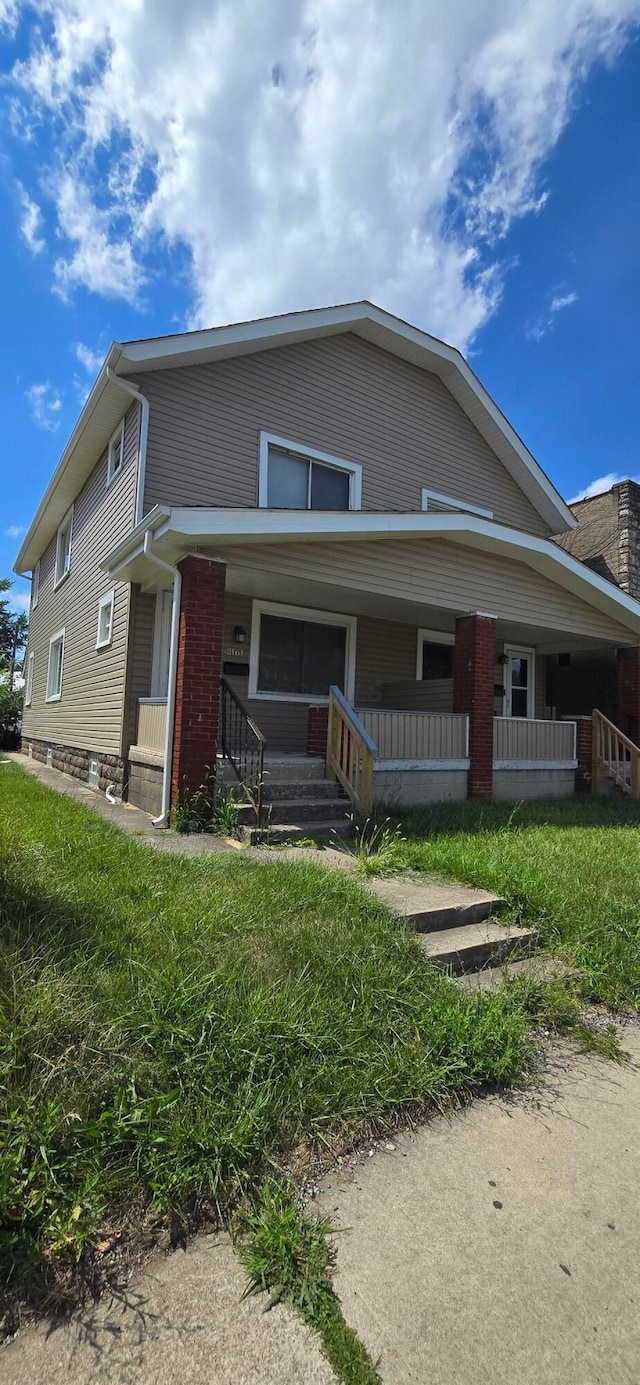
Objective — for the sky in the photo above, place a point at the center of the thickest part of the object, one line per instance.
(474, 169)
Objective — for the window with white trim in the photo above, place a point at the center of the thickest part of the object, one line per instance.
(63, 547)
(115, 453)
(447, 504)
(300, 478)
(28, 687)
(297, 654)
(435, 655)
(55, 666)
(104, 634)
(35, 585)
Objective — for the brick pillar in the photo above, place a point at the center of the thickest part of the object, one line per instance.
(317, 726)
(628, 713)
(195, 732)
(584, 752)
(474, 671)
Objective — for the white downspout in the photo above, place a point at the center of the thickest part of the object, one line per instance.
(163, 819)
(144, 435)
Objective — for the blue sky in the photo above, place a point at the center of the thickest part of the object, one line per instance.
(477, 174)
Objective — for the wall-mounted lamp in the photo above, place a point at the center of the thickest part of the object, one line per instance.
(239, 634)
(502, 658)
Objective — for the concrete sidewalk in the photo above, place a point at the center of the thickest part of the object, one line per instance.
(502, 1247)
(181, 1322)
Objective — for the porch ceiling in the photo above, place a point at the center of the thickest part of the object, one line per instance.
(427, 570)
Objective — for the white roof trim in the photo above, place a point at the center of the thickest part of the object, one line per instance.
(182, 529)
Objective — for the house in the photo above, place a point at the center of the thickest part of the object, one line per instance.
(607, 539)
(309, 535)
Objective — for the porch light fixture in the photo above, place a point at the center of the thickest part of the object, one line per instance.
(239, 634)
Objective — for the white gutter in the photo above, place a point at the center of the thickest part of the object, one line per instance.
(163, 819)
(144, 436)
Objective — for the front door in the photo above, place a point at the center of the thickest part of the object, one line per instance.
(519, 682)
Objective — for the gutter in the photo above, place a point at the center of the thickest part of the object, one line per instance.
(163, 819)
(144, 437)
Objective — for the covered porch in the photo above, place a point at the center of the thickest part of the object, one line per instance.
(438, 648)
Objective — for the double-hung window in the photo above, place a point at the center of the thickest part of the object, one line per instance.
(28, 687)
(298, 478)
(63, 547)
(435, 655)
(297, 654)
(115, 454)
(35, 585)
(54, 670)
(105, 621)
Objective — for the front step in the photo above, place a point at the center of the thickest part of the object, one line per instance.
(477, 945)
(303, 788)
(300, 810)
(293, 832)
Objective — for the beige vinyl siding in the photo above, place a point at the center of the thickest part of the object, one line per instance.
(441, 575)
(143, 608)
(341, 395)
(89, 714)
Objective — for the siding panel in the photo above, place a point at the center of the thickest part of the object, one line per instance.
(339, 394)
(89, 714)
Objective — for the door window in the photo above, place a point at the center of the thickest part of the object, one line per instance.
(520, 682)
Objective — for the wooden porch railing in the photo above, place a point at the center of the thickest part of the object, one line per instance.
(614, 753)
(350, 752)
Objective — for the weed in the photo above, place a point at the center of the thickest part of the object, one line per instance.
(287, 1254)
(372, 839)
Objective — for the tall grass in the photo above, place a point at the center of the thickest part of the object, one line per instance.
(569, 866)
(172, 1029)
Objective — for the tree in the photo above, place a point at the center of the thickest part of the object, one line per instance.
(13, 633)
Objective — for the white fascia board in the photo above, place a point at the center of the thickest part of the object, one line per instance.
(133, 542)
(227, 527)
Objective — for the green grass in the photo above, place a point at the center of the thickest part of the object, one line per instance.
(290, 1256)
(569, 866)
(173, 1031)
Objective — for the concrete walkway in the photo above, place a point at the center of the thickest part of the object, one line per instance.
(181, 1322)
(502, 1247)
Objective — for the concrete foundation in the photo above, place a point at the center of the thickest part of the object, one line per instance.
(410, 788)
(145, 787)
(510, 784)
(76, 761)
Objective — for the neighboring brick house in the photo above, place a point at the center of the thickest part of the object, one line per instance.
(607, 539)
(258, 530)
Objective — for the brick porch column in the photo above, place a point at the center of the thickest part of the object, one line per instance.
(628, 713)
(195, 732)
(474, 671)
(584, 752)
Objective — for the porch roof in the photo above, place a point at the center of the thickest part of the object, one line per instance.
(179, 530)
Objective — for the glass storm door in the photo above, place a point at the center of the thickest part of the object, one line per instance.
(520, 677)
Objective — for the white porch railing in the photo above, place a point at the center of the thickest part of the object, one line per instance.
(432, 739)
(151, 723)
(520, 743)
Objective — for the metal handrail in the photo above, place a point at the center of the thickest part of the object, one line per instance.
(242, 743)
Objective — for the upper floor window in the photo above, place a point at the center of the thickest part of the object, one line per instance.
(104, 634)
(63, 547)
(300, 478)
(115, 455)
(433, 500)
(35, 585)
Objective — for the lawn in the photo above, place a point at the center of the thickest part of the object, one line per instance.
(175, 1031)
(569, 866)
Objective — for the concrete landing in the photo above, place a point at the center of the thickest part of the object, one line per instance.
(429, 905)
(473, 945)
(501, 1247)
(182, 1322)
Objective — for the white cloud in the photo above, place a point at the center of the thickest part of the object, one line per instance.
(19, 600)
(310, 151)
(46, 403)
(603, 483)
(545, 322)
(91, 360)
(31, 223)
(14, 531)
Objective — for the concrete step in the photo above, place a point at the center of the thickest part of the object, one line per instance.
(476, 945)
(302, 788)
(431, 905)
(301, 810)
(293, 832)
(535, 968)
